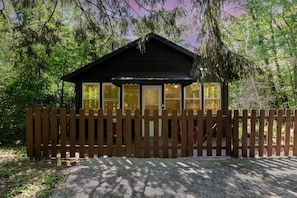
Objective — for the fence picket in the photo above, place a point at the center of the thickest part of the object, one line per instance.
(100, 135)
(119, 133)
(91, 132)
(287, 132)
(72, 132)
(244, 133)
(209, 132)
(146, 133)
(190, 133)
(45, 132)
(165, 133)
(183, 127)
(270, 132)
(235, 133)
(295, 134)
(29, 132)
(261, 132)
(279, 131)
(82, 133)
(37, 134)
(156, 133)
(128, 134)
(253, 133)
(219, 133)
(54, 132)
(229, 131)
(200, 133)
(110, 132)
(174, 134)
(137, 133)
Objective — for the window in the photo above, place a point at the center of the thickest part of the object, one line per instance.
(111, 96)
(192, 97)
(130, 97)
(172, 97)
(212, 97)
(90, 95)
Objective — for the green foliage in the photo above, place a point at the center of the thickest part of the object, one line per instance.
(23, 177)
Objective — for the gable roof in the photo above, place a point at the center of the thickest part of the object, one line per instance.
(71, 76)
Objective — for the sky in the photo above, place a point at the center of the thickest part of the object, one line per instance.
(191, 34)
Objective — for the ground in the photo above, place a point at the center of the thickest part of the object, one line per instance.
(182, 177)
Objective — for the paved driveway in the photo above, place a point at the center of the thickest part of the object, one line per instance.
(182, 177)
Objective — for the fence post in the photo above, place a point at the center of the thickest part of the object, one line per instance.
(235, 133)
(63, 122)
(287, 132)
(109, 132)
(29, 132)
(270, 132)
(261, 132)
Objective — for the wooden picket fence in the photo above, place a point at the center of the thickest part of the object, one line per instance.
(61, 133)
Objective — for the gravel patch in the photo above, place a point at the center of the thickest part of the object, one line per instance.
(182, 177)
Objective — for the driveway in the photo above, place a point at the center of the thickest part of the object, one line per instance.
(182, 177)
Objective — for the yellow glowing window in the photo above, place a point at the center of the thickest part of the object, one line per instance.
(111, 97)
(172, 97)
(90, 96)
(212, 97)
(130, 97)
(192, 97)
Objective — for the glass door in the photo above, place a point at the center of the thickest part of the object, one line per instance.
(151, 100)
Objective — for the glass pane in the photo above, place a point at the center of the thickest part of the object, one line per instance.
(172, 90)
(111, 91)
(131, 97)
(172, 105)
(212, 90)
(192, 91)
(212, 104)
(192, 104)
(91, 104)
(114, 105)
(91, 91)
(152, 99)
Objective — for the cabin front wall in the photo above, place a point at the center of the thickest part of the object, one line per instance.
(105, 95)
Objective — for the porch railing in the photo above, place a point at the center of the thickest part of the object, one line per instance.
(61, 133)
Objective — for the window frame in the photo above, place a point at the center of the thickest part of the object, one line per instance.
(103, 98)
(83, 92)
(212, 98)
(123, 97)
(199, 99)
(173, 99)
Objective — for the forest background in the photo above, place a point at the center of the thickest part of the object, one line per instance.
(251, 45)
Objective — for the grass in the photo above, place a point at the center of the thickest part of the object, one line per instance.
(24, 177)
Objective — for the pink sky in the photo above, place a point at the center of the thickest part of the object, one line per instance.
(191, 34)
